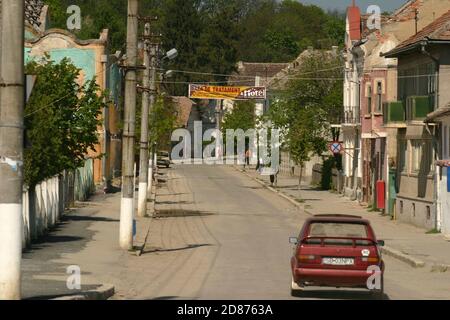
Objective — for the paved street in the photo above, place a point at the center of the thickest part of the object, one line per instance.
(218, 235)
(232, 243)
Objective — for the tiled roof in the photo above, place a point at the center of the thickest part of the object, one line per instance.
(438, 114)
(281, 79)
(247, 71)
(437, 30)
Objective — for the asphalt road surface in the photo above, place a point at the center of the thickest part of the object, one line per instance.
(220, 235)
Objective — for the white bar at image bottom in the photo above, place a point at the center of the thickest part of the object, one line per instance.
(11, 230)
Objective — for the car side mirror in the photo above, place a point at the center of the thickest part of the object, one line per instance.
(293, 240)
(381, 243)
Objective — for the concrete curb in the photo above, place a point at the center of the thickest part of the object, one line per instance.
(281, 194)
(413, 262)
(440, 268)
(105, 292)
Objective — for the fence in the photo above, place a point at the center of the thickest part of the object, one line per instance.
(337, 180)
(44, 205)
(288, 167)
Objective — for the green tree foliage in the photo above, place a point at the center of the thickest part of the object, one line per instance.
(181, 28)
(212, 35)
(277, 31)
(61, 120)
(96, 15)
(163, 120)
(312, 101)
(241, 117)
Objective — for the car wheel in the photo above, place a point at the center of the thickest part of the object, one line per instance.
(296, 290)
(378, 294)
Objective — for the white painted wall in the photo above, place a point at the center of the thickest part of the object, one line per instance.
(443, 193)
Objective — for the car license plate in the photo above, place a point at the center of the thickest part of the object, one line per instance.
(338, 261)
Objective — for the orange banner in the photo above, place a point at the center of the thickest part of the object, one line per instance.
(226, 92)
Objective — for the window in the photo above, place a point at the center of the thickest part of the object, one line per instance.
(419, 80)
(421, 156)
(379, 102)
(403, 145)
(369, 99)
(416, 153)
(338, 229)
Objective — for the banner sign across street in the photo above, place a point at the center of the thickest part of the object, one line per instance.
(226, 92)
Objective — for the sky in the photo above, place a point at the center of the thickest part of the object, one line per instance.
(385, 5)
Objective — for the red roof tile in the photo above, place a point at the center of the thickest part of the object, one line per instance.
(437, 30)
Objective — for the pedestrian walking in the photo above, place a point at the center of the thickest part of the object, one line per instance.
(247, 158)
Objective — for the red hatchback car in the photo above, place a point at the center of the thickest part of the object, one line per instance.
(337, 251)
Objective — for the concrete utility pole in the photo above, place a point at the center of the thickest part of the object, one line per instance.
(154, 49)
(106, 130)
(127, 203)
(11, 146)
(144, 154)
(259, 111)
(219, 110)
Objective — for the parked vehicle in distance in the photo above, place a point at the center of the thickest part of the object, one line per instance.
(163, 159)
(338, 251)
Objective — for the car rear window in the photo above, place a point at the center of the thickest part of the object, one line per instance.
(338, 229)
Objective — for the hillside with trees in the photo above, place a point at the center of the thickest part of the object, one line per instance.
(212, 35)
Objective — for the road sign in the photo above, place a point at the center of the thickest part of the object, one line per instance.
(336, 147)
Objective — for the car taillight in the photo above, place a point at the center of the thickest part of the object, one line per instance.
(371, 259)
(306, 258)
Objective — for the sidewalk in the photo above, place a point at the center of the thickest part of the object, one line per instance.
(405, 242)
(86, 237)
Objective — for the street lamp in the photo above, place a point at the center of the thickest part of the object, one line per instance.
(171, 54)
(168, 74)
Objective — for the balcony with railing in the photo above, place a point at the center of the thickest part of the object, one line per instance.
(413, 110)
(394, 114)
(418, 107)
(352, 116)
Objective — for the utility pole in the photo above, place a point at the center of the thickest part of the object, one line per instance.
(106, 130)
(219, 106)
(259, 110)
(11, 146)
(154, 50)
(127, 203)
(144, 148)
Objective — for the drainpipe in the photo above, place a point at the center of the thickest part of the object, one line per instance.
(437, 173)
